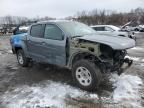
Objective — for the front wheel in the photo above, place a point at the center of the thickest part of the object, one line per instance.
(22, 60)
(86, 75)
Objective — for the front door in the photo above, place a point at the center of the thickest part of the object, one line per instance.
(54, 48)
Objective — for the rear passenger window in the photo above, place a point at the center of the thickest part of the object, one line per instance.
(36, 31)
(53, 32)
(99, 28)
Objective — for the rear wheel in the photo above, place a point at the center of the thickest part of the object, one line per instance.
(22, 60)
(86, 75)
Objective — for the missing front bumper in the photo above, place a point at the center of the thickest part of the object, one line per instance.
(127, 63)
(119, 68)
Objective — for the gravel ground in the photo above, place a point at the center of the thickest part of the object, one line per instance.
(44, 82)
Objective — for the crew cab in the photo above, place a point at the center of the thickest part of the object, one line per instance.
(113, 30)
(75, 46)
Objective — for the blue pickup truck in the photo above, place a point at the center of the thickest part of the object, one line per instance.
(75, 46)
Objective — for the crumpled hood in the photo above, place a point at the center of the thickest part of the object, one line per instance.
(116, 42)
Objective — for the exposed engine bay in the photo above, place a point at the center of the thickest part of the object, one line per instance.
(104, 56)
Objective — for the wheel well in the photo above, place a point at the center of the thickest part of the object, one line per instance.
(83, 56)
(17, 48)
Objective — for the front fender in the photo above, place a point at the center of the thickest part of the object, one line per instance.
(70, 62)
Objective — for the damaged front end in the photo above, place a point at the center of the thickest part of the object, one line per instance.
(113, 60)
(106, 51)
(107, 58)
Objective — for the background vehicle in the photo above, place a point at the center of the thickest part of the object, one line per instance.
(139, 28)
(113, 30)
(75, 46)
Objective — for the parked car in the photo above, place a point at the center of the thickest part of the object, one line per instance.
(3, 30)
(139, 28)
(75, 46)
(113, 31)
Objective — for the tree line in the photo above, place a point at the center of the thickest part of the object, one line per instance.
(13, 21)
(94, 17)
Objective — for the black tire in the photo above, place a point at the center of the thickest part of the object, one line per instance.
(136, 29)
(134, 38)
(23, 57)
(94, 71)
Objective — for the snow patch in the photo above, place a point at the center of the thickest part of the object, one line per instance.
(137, 48)
(126, 91)
(46, 94)
(9, 51)
(142, 60)
(133, 58)
(142, 64)
(54, 95)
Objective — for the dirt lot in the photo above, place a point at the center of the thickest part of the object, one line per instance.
(45, 86)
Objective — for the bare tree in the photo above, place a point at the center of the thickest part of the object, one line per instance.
(8, 21)
(111, 17)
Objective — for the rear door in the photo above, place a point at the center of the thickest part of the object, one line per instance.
(35, 42)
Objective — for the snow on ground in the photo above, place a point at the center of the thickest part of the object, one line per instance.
(45, 94)
(9, 51)
(138, 60)
(127, 90)
(142, 64)
(137, 48)
(53, 94)
(133, 58)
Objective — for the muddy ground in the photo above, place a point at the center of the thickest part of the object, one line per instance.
(12, 76)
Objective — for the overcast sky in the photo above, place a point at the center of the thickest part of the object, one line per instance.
(62, 8)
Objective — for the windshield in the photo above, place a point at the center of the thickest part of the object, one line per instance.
(76, 28)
